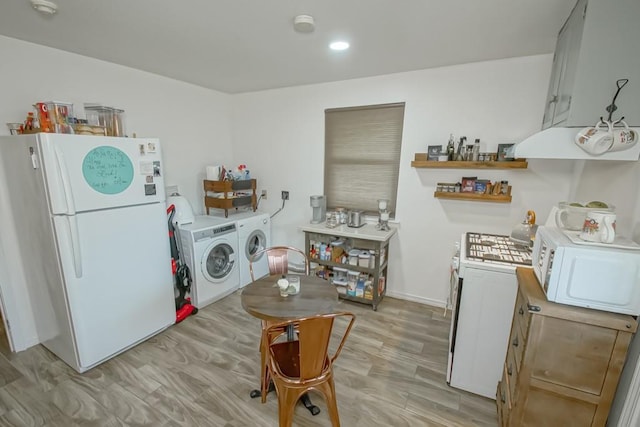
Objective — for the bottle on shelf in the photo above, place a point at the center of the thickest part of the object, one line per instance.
(476, 150)
(460, 155)
(450, 147)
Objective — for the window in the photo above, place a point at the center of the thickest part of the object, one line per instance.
(362, 156)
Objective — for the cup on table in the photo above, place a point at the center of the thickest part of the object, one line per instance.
(623, 137)
(283, 286)
(596, 140)
(294, 285)
(599, 227)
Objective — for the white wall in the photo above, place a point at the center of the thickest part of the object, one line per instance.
(193, 125)
(280, 135)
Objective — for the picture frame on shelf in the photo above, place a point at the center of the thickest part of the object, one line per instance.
(433, 151)
(502, 152)
(468, 184)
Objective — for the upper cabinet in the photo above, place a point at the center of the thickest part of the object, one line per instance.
(597, 46)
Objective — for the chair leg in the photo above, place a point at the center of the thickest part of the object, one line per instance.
(287, 399)
(328, 389)
(264, 369)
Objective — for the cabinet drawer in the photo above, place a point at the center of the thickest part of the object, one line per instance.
(511, 371)
(516, 344)
(545, 408)
(522, 314)
(504, 403)
(574, 355)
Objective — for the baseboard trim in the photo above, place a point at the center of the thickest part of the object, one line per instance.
(415, 298)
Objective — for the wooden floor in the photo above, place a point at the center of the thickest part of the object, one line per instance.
(199, 373)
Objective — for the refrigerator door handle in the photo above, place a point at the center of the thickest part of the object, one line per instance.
(75, 244)
(66, 183)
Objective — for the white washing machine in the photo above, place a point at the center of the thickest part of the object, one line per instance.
(254, 233)
(209, 246)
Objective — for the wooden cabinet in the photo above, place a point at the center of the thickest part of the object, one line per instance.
(563, 363)
(367, 238)
(234, 194)
(592, 53)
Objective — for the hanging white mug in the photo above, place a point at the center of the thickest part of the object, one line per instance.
(599, 227)
(623, 138)
(595, 140)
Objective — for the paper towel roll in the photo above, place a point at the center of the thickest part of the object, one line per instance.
(213, 173)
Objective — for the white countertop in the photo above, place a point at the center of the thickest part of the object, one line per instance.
(366, 232)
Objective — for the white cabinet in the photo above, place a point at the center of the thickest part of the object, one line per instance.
(597, 46)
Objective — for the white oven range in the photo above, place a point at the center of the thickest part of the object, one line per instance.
(483, 295)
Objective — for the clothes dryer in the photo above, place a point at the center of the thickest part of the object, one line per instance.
(210, 249)
(254, 234)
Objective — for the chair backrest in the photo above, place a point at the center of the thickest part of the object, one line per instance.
(278, 259)
(314, 336)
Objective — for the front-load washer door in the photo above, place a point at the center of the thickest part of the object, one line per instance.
(218, 261)
(255, 242)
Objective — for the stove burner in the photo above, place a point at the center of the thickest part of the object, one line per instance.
(497, 249)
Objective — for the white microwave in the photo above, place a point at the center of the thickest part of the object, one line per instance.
(602, 278)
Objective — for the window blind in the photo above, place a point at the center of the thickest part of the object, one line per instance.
(362, 156)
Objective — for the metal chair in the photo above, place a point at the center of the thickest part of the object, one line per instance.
(278, 260)
(299, 366)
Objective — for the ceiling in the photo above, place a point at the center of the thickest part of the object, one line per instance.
(239, 46)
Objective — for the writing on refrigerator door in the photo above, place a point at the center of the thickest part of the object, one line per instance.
(107, 170)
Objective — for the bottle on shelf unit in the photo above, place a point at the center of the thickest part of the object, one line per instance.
(476, 150)
(450, 147)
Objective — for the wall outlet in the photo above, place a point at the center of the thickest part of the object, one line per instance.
(171, 189)
(285, 195)
(264, 194)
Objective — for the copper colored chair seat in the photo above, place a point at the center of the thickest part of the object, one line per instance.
(299, 366)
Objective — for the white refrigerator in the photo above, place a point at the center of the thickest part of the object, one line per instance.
(91, 221)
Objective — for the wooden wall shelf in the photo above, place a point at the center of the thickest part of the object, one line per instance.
(422, 162)
(474, 197)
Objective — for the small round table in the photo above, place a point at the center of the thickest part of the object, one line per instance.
(261, 299)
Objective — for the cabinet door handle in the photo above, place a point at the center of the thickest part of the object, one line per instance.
(515, 342)
(520, 311)
(553, 99)
(509, 369)
(503, 397)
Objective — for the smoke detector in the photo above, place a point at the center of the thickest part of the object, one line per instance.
(304, 23)
(44, 6)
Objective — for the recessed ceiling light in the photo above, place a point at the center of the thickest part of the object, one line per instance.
(339, 46)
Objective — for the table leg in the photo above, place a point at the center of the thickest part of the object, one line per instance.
(310, 406)
(256, 392)
(306, 401)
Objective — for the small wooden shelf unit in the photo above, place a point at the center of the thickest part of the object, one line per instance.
(422, 162)
(227, 187)
(475, 197)
(378, 272)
